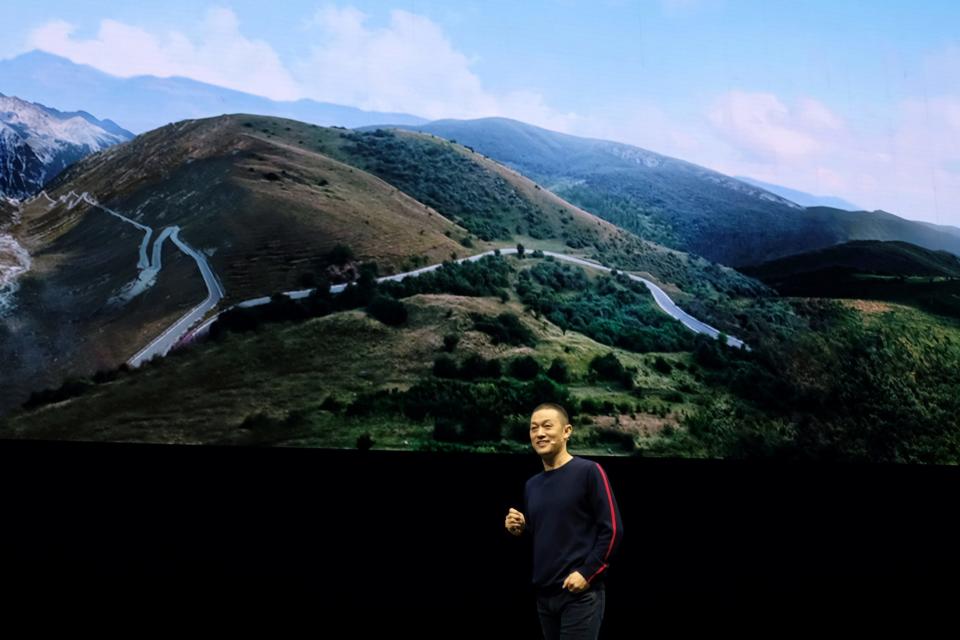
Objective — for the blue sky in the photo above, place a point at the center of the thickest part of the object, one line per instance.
(855, 99)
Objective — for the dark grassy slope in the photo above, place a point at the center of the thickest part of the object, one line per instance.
(866, 256)
(871, 270)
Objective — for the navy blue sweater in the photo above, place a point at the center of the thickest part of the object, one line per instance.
(574, 520)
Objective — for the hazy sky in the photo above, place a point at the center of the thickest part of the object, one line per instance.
(859, 100)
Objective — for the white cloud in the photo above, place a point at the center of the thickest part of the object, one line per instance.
(409, 65)
(221, 55)
(906, 159)
(759, 124)
(815, 115)
(908, 166)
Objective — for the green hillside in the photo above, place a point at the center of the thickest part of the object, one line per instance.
(674, 202)
(833, 381)
(326, 380)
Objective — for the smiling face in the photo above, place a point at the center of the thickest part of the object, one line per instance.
(548, 433)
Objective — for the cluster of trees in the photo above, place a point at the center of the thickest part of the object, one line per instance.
(320, 302)
(463, 410)
(475, 367)
(488, 276)
(613, 310)
(608, 367)
(506, 328)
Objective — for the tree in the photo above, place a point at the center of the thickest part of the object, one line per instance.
(524, 368)
(520, 250)
(340, 254)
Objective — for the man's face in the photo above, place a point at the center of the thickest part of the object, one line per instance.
(547, 432)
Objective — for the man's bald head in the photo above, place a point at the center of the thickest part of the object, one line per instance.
(561, 412)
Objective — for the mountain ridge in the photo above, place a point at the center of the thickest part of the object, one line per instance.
(37, 142)
(144, 102)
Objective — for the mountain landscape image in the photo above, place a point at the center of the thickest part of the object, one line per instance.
(368, 229)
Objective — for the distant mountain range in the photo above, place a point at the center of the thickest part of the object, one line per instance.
(665, 200)
(801, 197)
(143, 103)
(676, 203)
(38, 142)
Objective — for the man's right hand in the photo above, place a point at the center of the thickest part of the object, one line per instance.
(515, 522)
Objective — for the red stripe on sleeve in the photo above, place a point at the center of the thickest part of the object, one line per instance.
(613, 519)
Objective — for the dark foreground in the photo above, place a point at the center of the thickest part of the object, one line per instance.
(421, 535)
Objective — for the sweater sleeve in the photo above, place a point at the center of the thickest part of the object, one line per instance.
(609, 525)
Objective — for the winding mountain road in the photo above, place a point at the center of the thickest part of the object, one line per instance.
(148, 267)
(660, 297)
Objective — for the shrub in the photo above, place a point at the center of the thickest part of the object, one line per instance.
(387, 310)
(450, 342)
(607, 367)
(505, 328)
(524, 368)
(662, 365)
(445, 367)
(558, 371)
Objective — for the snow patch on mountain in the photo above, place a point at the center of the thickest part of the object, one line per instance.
(37, 143)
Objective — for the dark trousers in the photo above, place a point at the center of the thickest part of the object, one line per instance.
(572, 616)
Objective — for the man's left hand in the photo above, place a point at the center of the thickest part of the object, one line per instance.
(575, 583)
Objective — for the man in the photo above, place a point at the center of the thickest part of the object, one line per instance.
(574, 520)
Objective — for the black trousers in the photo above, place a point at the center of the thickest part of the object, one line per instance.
(572, 616)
